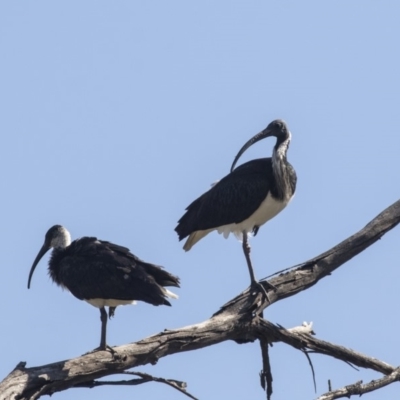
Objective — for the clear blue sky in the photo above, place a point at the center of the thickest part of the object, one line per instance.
(116, 115)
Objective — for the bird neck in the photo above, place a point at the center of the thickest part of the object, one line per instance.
(280, 168)
(54, 264)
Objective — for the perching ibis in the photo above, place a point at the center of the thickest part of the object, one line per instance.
(103, 274)
(246, 198)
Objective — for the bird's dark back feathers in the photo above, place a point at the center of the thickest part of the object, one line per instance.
(90, 268)
(232, 200)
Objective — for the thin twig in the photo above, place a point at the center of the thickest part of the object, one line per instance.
(312, 369)
(178, 385)
(266, 373)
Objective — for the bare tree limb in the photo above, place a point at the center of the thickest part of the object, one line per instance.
(30, 383)
(303, 341)
(308, 273)
(144, 378)
(238, 320)
(358, 388)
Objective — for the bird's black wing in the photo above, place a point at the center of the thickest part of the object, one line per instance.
(91, 269)
(233, 199)
(160, 275)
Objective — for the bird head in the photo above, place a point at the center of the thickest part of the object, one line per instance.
(276, 128)
(56, 237)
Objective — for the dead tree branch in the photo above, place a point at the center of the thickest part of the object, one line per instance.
(358, 388)
(237, 320)
(143, 378)
(307, 274)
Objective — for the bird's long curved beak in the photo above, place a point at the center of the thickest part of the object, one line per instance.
(260, 135)
(41, 253)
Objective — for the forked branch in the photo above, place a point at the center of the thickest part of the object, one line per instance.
(237, 320)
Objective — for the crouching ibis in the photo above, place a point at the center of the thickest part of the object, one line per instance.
(103, 274)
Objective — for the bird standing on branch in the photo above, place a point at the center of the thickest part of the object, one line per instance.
(246, 198)
(103, 274)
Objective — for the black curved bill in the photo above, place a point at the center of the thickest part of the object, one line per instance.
(260, 135)
(41, 253)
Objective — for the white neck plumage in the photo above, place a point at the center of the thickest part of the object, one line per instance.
(279, 167)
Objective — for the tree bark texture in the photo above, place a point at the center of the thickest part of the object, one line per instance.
(240, 320)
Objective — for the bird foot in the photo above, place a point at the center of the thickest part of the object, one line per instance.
(103, 348)
(261, 296)
(111, 312)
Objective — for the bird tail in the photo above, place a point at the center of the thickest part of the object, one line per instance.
(194, 238)
(170, 294)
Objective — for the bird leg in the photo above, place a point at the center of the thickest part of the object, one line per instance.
(103, 319)
(103, 344)
(246, 251)
(254, 283)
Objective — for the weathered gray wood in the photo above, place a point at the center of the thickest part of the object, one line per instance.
(307, 274)
(358, 388)
(237, 320)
